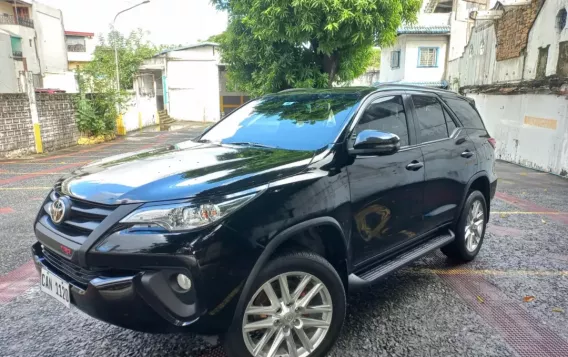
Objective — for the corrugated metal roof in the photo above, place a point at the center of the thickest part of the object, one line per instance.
(195, 45)
(421, 29)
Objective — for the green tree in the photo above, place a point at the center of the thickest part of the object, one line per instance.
(278, 44)
(98, 110)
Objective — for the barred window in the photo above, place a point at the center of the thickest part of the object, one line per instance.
(395, 59)
(427, 57)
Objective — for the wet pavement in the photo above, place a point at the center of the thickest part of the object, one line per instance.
(511, 301)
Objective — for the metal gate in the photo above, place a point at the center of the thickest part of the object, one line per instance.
(232, 102)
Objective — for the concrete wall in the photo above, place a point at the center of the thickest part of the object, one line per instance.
(545, 33)
(50, 38)
(141, 110)
(413, 73)
(409, 70)
(62, 80)
(29, 52)
(512, 29)
(366, 79)
(530, 129)
(388, 73)
(16, 129)
(87, 56)
(57, 120)
(193, 84)
(8, 74)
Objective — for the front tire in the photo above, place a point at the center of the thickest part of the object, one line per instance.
(296, 307)
(470, 229)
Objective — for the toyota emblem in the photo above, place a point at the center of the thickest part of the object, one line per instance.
(58, 210)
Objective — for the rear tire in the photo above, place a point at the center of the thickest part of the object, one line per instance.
(470, 229)
(285, 318)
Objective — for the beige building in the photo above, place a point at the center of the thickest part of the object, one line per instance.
(80, 48)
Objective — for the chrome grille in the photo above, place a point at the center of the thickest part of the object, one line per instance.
(83, 218)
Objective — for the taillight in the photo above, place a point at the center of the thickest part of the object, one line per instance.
(493, 142)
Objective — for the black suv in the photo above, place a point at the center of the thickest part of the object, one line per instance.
(259, 227)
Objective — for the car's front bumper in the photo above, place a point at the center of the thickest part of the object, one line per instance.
(143, 301)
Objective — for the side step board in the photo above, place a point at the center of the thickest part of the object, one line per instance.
(374, 274)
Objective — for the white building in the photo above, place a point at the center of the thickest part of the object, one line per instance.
(420, 50)
(515, 66)
(37, 45)
(80, 48)
(190, 83)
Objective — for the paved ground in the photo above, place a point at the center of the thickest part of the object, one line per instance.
(511, 301)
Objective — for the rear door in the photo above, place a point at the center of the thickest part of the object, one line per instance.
(386, 192)
(449, 157)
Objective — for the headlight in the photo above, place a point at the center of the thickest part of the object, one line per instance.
(186, 216)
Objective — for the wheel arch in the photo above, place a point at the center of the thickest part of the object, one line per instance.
(281, 239)
(479, 181)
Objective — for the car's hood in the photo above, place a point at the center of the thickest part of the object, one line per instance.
(186, 170)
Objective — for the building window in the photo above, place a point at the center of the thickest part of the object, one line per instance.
(395, 59)
(428, 57)
(16, 46)
(561, 20)
(75, 44)
(542, 61)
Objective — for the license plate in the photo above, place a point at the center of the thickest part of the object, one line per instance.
(54, 286)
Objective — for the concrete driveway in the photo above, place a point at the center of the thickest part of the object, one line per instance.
(511, 301)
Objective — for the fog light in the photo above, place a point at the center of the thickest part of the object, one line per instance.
(183, 281)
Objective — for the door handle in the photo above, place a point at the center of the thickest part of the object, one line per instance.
(467, 154)
(414, 165)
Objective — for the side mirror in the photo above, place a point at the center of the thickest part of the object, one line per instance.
(374, 142)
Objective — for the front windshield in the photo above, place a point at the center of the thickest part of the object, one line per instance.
(293, 121)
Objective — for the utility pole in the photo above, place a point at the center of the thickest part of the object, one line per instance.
(115, 48)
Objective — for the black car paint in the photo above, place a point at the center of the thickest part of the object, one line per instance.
(327, 189)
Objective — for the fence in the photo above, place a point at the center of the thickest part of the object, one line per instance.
(56, 120)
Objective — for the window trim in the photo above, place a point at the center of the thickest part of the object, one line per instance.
(436, 53)
(412, 138)
(450, 136)
(391, 59)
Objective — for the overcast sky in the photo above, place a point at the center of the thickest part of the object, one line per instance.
(169, 21)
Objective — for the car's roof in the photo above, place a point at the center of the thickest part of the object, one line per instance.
(363, 91)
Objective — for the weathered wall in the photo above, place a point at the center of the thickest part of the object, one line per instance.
(545, 33)
(16, 129)
(193, 84)
(512, 30)
(62, 80)
(141, 109)
(29, 52)
(530, 129)
(388, 73)
(50, 33)
(8, 76)
(366, 79)
(412, 72)
(478, 65)
(57, 120)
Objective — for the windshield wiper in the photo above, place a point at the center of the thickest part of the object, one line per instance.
(248, 143)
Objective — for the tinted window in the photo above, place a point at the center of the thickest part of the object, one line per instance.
(431, 120)
(387, 115)
(293, 121)
(449, 122)
(465, 112)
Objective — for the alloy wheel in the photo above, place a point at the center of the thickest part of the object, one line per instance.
(288, 316)
(474, 226)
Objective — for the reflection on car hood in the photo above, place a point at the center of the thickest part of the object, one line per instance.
(186, 170)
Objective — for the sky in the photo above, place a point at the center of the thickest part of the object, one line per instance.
(168, 21)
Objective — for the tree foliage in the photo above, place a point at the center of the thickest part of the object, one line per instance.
(99, 101)
(278, 44)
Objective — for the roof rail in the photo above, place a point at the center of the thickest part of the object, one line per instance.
(292, 90)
